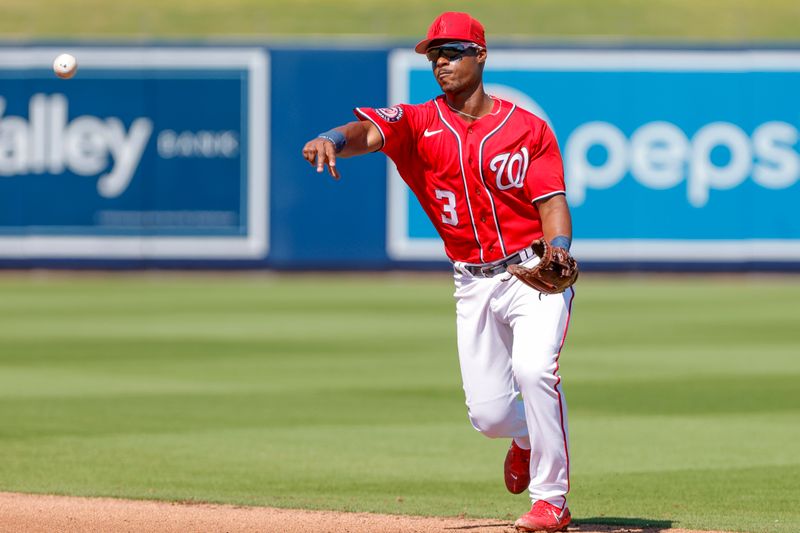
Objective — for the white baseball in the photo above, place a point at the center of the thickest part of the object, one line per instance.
(65, 66)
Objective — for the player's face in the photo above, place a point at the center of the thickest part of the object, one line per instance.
(456, 66)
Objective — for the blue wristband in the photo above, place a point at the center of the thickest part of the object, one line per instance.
(562, 241)
(336, 137)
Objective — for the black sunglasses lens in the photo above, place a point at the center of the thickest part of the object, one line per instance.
(450, 52)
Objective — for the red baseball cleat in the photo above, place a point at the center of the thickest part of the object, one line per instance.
(544, 516)
(517, 469)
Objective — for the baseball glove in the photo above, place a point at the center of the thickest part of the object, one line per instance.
(555, 272)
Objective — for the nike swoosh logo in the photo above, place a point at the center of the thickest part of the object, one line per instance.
(431, 133)
(558, 517)
(514, 476)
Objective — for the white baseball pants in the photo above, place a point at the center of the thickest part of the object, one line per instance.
(509, 341)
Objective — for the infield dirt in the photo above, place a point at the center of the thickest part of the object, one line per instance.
(25, 513)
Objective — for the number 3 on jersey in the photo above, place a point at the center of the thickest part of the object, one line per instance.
(449, 216)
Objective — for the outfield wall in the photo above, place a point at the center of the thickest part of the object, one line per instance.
(189, 156)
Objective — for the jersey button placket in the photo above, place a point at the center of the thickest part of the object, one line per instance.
(474, 175)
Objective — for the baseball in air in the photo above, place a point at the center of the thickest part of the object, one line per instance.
(65, 66)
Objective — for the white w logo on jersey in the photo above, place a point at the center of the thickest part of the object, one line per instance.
(510, 170)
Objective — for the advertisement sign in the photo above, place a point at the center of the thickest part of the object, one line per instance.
(668, 155)
(154, 153)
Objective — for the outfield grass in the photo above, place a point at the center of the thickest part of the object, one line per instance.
(706, 20)
(342, 393)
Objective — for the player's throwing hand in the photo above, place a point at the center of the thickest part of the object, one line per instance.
(348, 140)
(321, 151)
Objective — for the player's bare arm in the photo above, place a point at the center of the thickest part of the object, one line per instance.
(351, 139)
(556, 270)
(556, 220)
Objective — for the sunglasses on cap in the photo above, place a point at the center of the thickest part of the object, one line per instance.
(451, 51)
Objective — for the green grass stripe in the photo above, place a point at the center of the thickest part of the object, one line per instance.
(721, 20)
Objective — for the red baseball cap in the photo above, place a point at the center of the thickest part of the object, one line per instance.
(453, 26)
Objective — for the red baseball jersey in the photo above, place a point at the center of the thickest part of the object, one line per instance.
(476, 181)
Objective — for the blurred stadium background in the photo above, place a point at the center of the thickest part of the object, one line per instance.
(177, 147)
(177, 144)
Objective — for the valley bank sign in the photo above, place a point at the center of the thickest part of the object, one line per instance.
(148, 153)
(669, 155)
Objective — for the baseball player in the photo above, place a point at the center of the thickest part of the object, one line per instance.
(490, 177)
